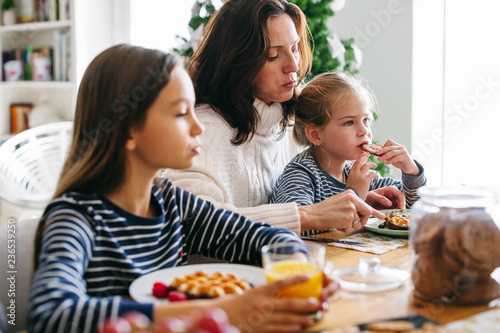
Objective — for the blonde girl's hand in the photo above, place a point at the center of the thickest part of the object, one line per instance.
(395, 154)
(259, 311)
(388, 197)
(360, 176)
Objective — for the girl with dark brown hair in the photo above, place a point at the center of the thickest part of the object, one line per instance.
(111, 221)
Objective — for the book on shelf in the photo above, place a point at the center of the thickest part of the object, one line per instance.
(64, 10)
(24, 11)
(19, 117)
(42, 10)
(37, 63)
(61, 53)
(49, 10)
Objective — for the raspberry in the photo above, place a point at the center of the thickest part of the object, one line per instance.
(160, 290)
(176, 296)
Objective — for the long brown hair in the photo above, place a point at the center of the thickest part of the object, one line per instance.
(117, 89)
(234, 49)
(320, 97)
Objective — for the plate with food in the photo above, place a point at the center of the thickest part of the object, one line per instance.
(195, 282)
(396, 223)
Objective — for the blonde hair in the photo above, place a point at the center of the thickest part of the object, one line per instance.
(321, 96)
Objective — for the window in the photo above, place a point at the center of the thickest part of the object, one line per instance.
(456, 91)
(155, 23)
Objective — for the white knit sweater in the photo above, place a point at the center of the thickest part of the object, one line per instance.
(241, 178)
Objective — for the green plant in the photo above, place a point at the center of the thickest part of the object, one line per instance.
(317, 13)
(384, 169)
(201, 14)
(8, 4)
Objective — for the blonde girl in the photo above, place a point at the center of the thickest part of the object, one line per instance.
(333, 114)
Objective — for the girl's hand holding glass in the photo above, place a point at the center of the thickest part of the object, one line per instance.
(284, 261)
(260, 310)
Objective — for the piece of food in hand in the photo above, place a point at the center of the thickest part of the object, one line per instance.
(396, 221)
(203, 285)
(371, 148)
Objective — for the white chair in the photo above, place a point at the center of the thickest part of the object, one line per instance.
(30, 164)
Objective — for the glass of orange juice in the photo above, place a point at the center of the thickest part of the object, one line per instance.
(290, 259)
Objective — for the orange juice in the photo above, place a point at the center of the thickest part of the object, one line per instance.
(284, 269)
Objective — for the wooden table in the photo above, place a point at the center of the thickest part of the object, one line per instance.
(348, 308)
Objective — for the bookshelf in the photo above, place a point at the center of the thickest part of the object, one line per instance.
(55, 90)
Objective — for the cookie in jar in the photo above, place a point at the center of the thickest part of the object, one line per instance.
(455, 245)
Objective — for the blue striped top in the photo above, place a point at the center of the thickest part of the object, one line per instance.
(305, 182)
(92, 250)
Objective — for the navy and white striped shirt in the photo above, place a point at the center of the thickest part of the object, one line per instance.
(305, 182)
(92, 250)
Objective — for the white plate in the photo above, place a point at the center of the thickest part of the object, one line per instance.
(372, 225)
(141, 288)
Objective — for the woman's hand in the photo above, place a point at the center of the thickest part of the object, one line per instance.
(386, 198)
(360, 176)
(257, 310)
(344, 211)
(397, 155)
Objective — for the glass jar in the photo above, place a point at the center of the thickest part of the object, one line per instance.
(455, 245)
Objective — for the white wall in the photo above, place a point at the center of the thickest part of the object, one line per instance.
(383, 31)
(99, 24)
(155, 23)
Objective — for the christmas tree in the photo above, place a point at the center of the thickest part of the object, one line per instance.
(330, 53)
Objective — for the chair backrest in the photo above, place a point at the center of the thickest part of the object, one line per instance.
(30, 164)
(18, 275)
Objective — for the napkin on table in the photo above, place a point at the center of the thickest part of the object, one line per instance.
(373, 243)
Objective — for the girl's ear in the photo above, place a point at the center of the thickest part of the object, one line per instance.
(131, 141)
(313, 135)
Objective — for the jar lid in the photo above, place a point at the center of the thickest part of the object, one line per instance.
(459, 196)
(370, 276)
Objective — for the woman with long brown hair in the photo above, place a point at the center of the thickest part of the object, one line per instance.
(246, 70)
(111, 221)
